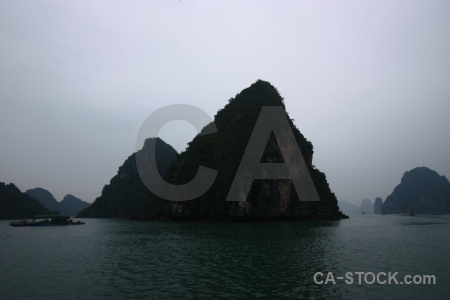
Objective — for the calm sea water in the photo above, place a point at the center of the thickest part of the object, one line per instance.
(123, 259)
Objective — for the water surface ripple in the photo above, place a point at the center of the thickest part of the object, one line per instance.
(123, 259)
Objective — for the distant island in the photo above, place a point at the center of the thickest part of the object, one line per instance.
(274, 199)
(17, 205)
(347, 207)
(377, 206)
(69, 206)
(421, 190)
(366, 207)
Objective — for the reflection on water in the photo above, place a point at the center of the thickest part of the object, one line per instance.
(192, 260)
(131, 259)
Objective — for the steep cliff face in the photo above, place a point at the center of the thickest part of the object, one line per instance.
(224, 150)
(421, 190)
(126, 195)
(377, 205)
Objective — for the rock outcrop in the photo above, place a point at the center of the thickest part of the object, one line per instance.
(377, 205)
(366, 206)
(14, 204)
(223, 151)
(45, 197)
(421, 190)
(69, 206)
(127, 196)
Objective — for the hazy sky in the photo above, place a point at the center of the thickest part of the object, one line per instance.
(367, 82)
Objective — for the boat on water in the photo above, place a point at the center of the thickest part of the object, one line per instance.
(46, 220)
(409, 213)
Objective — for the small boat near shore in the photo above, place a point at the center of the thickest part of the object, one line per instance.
(408, 213)
(46, 220)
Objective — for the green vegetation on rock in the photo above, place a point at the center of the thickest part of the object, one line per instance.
(223, 151)
(126, 195)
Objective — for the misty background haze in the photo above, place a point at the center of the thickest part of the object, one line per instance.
(367, 82)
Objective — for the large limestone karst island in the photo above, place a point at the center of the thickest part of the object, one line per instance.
(267, 199)
(421, 190)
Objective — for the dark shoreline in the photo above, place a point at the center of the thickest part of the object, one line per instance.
(338, 217)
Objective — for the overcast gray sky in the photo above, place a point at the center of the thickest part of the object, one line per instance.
(367, 82)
